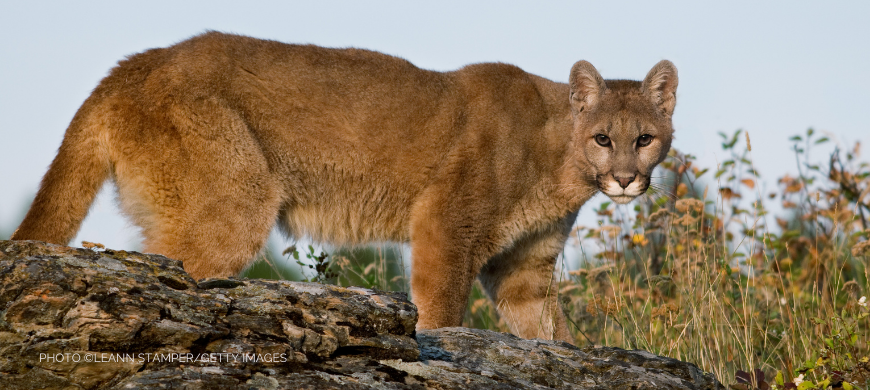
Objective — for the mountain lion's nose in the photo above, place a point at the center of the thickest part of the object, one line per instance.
(624, 181)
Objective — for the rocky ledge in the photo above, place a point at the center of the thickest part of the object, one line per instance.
(81, 319)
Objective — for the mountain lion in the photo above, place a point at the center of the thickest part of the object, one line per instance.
(482, 169)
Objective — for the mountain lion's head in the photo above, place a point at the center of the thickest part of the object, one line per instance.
(621, 127)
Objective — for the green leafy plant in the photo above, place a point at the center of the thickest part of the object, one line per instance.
(320, 263)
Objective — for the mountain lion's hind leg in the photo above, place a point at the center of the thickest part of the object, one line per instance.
(216, 237)
(523, 286)
(205, 197)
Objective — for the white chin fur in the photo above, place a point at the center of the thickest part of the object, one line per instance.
(621, 199)
(620, 195)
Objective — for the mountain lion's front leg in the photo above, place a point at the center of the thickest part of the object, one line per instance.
(523, 286)
(449, 247)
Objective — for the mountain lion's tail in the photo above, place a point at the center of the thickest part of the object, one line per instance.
(72, 182)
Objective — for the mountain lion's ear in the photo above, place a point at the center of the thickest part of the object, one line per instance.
(660, 85)
(586, 84)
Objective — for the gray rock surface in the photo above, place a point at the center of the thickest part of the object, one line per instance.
(81, 319)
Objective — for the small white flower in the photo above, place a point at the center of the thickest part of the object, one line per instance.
(863, 301)
(799, 379)
(782, 301)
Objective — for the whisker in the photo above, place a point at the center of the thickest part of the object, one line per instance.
(670, 196)
(645, 197)
(663, 191)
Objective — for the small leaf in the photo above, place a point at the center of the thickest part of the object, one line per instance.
(743, 377)
(796, 138)
(805, 385)
(682, 190)
(779, 379)
(749, 183)
(727, 193)
(291, 248)
(822, 140)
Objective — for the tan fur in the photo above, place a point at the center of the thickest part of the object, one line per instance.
(483, 169)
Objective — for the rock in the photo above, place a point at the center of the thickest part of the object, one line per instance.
(82, 319)
(521, 363)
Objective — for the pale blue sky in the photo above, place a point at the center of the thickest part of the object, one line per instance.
(772, 68)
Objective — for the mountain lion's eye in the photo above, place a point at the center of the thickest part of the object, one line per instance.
(602, 140)
(644, 140)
